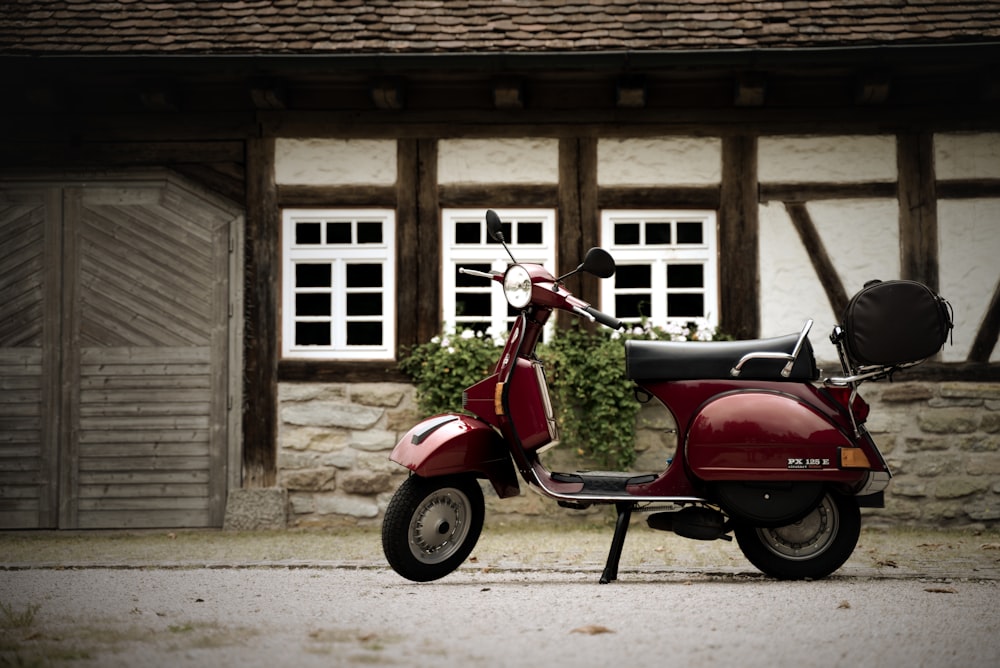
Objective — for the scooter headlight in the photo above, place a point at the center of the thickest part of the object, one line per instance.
(517, 286)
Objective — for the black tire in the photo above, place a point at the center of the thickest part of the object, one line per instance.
(431, 525)
(811, 548)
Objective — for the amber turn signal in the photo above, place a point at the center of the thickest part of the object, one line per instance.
(498, 399)
(853, 458)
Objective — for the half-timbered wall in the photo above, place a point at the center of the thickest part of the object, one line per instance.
(809, 218)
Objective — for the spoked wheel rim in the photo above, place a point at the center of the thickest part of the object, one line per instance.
(440, 525)
(806, 539)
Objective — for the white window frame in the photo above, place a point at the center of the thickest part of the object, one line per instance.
(338, 256)
(659, 256)
(454, 255)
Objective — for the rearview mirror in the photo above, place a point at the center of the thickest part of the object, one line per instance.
(599, 263)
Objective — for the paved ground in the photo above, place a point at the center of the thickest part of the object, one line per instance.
(527, 596)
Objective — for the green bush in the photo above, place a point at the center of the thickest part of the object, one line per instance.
(596, 404)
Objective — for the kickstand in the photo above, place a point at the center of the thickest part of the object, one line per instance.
(617, 542)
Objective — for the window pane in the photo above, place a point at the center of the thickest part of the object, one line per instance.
(685, 276)
(466, 281)
(364, 275)
(312, 275)
(364, 333)
(472, 304)
(307, 233)
(685, 306)
(468, 233)
(369, 233)
(689, 233)
(657, 233)
(627, 233)
(633, 276)
(364, 303)
(338, 233)
(632, 306)
(312, 333)
(529, 233)
(313, 304)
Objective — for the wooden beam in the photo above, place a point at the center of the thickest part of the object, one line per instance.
(809, 192)
(495, 196)
(260, 419)
(827, 273)
(653, 197)
(508, 93)
(872, 88)
(268, 94)
(750, 90)
(918, 225)
(428, 249)
(327, 196)
(739, 239)
(389, 94)
(630, 93)
(968, 188)
(408, 260)
(988, 332)
(312, 371)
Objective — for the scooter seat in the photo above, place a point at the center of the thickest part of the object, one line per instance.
(714, 360)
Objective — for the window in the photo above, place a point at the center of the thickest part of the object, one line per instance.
(667, 266)
(338, 294)
(470, 302)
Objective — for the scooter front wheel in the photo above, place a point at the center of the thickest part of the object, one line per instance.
(813, 547)
(431, 525)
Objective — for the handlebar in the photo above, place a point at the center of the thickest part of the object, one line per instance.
(586, 311)
(604, 318)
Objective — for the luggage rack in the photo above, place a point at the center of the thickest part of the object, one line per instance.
(855, 375)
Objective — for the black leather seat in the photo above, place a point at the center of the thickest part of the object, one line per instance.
(694, 360)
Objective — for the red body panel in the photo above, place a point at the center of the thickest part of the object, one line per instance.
(448, 444)
(764, 436)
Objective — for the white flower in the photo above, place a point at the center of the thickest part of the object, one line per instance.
(468, 334)
(436, 339)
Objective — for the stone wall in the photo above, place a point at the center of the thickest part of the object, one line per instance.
(942, 441)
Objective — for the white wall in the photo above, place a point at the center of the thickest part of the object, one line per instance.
(673, 161)
(498, 160)
(333, 162)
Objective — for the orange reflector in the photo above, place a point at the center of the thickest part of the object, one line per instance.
(498, 399)
(854, 458)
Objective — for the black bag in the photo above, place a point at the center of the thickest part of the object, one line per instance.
(895, 322)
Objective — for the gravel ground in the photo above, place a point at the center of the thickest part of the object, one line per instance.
(527, 595)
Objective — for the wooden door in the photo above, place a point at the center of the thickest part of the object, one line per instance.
(144, 362)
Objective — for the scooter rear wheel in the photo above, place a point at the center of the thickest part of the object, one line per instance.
(812, 547)
(431, 525)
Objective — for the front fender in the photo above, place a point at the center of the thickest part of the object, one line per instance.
(453, 443)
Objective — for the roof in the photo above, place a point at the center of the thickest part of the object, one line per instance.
(415, 27)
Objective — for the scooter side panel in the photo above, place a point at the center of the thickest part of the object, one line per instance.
(765, 436)
(453, 443)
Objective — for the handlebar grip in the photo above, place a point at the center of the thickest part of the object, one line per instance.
(604, 318)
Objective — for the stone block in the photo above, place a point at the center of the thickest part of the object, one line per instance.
(311, 392)
(970, 390)
(317, 439)
(373, 440)
(310, 480)
(956, 488)
(907, 392)
(948, 421)
(386, 395)
(346, 505)
(990, 422)
(984, 511)
(331, 414)
(256, 509)
(365, 482)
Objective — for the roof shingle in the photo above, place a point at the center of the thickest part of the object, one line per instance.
(67, 27)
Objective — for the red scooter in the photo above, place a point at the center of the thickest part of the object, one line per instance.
(763, 451)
